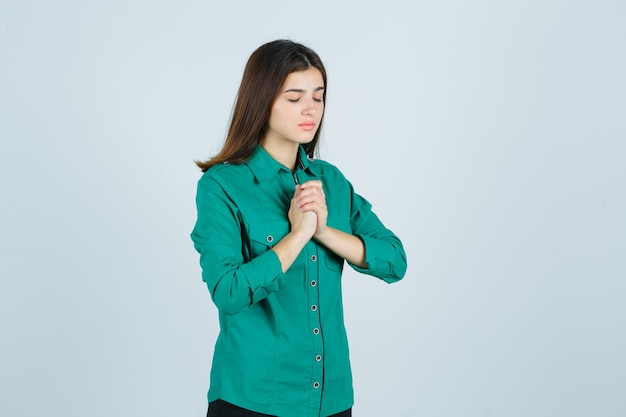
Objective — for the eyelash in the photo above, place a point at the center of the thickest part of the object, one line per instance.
(295, 100)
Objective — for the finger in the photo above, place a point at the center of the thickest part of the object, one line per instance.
(315, 198)
(307, 200)
(319, 207)
(312, 191)
(310, 207)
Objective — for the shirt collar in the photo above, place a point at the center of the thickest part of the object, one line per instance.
(263, 166)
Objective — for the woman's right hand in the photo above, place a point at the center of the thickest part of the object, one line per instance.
(303, 225)
(301, 222)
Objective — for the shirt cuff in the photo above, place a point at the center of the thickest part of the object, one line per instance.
(264, 274)
(376, 253)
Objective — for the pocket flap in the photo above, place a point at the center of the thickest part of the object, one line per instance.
(268, 233)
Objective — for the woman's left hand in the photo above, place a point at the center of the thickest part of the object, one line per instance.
(310, 197)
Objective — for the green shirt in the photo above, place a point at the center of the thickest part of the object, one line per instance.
(282, 348)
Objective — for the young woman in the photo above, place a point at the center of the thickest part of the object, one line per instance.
(273, 230)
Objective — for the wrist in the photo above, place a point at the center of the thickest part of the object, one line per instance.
(300, 235)
(321, 235)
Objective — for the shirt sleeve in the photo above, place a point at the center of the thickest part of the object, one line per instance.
(234, 284)
(384, 253)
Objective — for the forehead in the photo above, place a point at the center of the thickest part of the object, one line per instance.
(308, 79)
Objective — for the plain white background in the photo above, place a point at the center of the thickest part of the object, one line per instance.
(490, 135)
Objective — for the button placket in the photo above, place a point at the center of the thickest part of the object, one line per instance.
(313, 266)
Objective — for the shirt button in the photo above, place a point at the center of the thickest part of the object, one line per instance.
(316, 331)
(318, 358)
(313, 307)
(313, 258)
(316, 384)
(313, 283)
(270, 238)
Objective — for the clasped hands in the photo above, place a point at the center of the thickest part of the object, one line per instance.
(308, 212)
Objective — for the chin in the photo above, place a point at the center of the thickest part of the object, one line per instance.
(306, 140)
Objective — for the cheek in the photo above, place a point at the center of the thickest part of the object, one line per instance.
(282, 120)
(280, 113)
(277, 116)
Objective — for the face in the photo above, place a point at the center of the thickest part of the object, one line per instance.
(298, 109)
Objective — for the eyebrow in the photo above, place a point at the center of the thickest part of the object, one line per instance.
(299, 90)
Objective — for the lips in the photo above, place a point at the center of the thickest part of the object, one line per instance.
(307, 125)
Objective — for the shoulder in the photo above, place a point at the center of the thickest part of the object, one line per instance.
(225, 171)
(225, 174)
(326, 169)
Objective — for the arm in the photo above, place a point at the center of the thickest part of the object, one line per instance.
(234, 284)
(384, 254)
(371, 248)
(344, 245)
(310, 198)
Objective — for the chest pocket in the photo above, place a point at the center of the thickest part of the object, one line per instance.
(263, 236)
(333, 261)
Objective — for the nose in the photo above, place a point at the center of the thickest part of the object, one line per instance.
(312, 107)
(310, 110)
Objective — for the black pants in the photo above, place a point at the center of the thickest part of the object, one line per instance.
(220, 408)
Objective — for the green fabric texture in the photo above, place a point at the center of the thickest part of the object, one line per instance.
(282, 348)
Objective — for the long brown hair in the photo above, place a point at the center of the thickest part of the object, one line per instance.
(265, 73)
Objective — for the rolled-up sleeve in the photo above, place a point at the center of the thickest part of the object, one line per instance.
(384, 253)
(234, 284)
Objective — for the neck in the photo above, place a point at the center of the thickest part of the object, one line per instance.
(286, 154)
